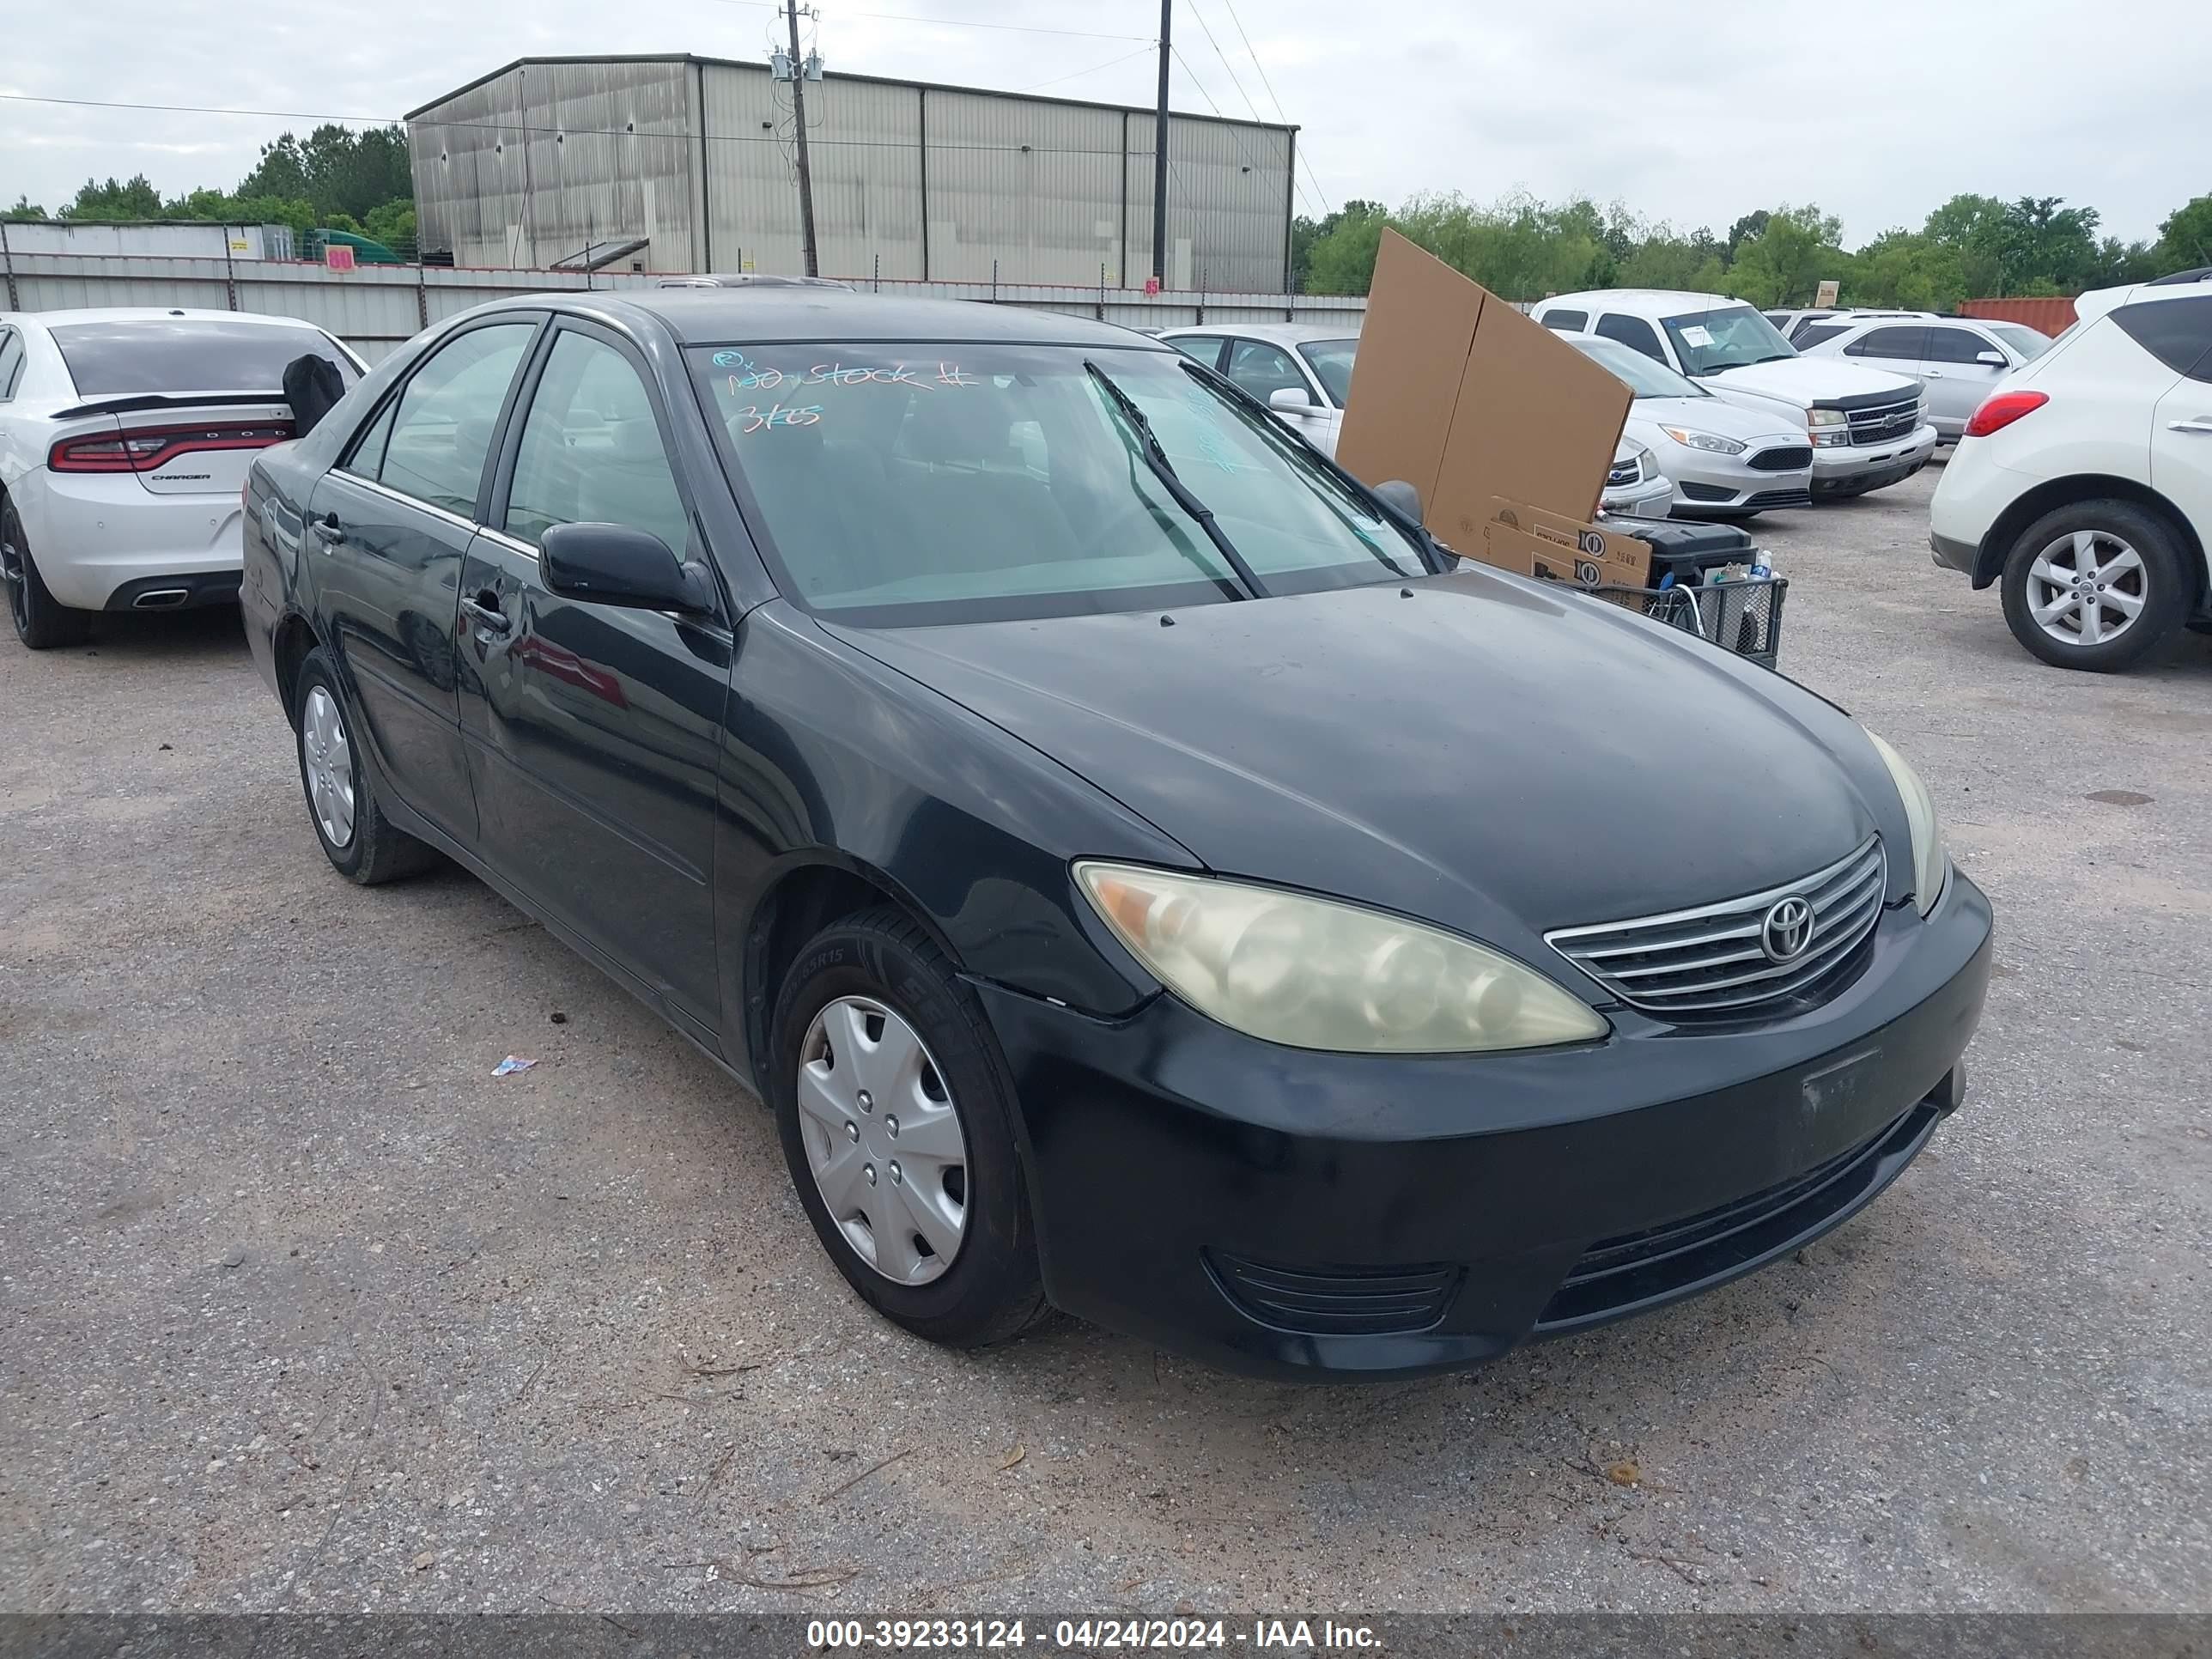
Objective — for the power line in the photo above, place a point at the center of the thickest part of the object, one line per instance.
(1236, 137)
(1224, 57)
(957, 22)
(1143, 51)
(1280, 114)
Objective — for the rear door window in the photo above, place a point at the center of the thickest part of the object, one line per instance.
(447, 411)
(1903, 344)
(1632, 332)
(2178, 333)
(1201, 347)
(188, 354)
(1567, 322)
(1262, 368)
(11, 362)
(1806, 338)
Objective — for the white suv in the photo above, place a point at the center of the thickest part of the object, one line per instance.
(1868, 428)
(2084, 481)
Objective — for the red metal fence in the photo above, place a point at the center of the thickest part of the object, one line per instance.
(2053, 317)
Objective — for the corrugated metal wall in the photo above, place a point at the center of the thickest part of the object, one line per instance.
(375, 308)
(543, 159)
(1044, 189)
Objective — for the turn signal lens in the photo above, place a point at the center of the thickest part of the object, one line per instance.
(1313, 973)
(2000, 409)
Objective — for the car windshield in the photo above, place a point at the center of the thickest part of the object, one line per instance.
(1726, 336)
(1332, 361)
(2021, 338)
(1645, 377)
(188, 354)
(961, 483)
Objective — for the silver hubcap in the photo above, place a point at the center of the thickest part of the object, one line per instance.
(883, 1139)
(328, 758)
(2087, 588)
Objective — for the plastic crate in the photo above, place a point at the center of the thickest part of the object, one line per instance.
(1743, 616)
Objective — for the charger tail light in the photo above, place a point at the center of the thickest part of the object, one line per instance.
(152, 448)
(2001, 408)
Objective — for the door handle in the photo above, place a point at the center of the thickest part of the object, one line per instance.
(2201, 423)
(489, 617)
(1931, 373)
(328, 531)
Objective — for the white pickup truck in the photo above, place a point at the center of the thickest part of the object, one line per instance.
(1868, 428)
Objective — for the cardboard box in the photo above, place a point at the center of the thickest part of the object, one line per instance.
(1457, 394)
(1520, 537)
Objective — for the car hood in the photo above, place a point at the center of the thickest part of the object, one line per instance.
(1714, 415)
(1806, 381)
(1473, 748)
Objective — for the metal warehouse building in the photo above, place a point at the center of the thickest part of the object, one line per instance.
(531, 163)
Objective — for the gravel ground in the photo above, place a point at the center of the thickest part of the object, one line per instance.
(300, 1308)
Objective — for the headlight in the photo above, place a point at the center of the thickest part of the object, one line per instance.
(1316, 973)
(1817, 418)
(1931, 863)
(1706, 441)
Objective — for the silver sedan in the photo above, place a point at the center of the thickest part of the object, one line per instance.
(1726, 461)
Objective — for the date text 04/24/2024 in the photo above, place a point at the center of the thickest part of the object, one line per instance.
(1088, 1635)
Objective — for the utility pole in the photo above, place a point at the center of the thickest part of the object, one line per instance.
(1160, 158)
(798, 119)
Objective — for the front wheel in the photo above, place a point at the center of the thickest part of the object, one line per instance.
(2097, 586)
(897, 1123)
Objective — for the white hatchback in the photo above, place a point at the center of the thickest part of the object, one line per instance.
(124, 438)
(2084, 481)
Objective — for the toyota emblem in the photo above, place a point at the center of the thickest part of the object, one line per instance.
(1787, 930)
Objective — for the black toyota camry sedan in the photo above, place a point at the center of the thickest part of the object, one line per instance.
(1143, 872)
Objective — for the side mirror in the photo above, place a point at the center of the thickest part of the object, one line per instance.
(1290, 398)
(1994, 359)
(1401, 498)
(613, 564)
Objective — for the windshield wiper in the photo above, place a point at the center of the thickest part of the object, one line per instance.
(1156, 458)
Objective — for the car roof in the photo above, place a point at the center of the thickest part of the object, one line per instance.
(1280, 333)
(146, 314)
(1648, 302)
(767, 315)
(2181, 285)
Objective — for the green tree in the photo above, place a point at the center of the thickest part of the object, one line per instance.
(1341, 260)
(24, 209)
(1908, 269)
(116, 199)
(394, 224)
(1785, 263)
(1306, 232)
(2185, 241)
(1742, 231)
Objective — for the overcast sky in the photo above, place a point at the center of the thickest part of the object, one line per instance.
(1693, 114)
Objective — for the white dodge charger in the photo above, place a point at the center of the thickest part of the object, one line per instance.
(124, 438)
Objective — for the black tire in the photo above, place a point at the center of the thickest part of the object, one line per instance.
(2163, 584)
(992, 1289)
(40, 623)
(374, 852)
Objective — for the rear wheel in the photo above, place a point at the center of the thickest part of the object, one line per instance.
(2097, 586)
(40, 623)
(360, 842)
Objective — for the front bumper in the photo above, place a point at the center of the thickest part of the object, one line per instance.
(1297, 1214)
(1648, 497)
(1854, 469)
(1706, 483)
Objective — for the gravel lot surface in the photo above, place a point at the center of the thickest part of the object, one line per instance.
(299, 1307)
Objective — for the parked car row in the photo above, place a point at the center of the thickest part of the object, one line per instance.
(1303, 372)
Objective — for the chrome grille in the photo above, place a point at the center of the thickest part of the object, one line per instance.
(1712, 960)
(1880, 423)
